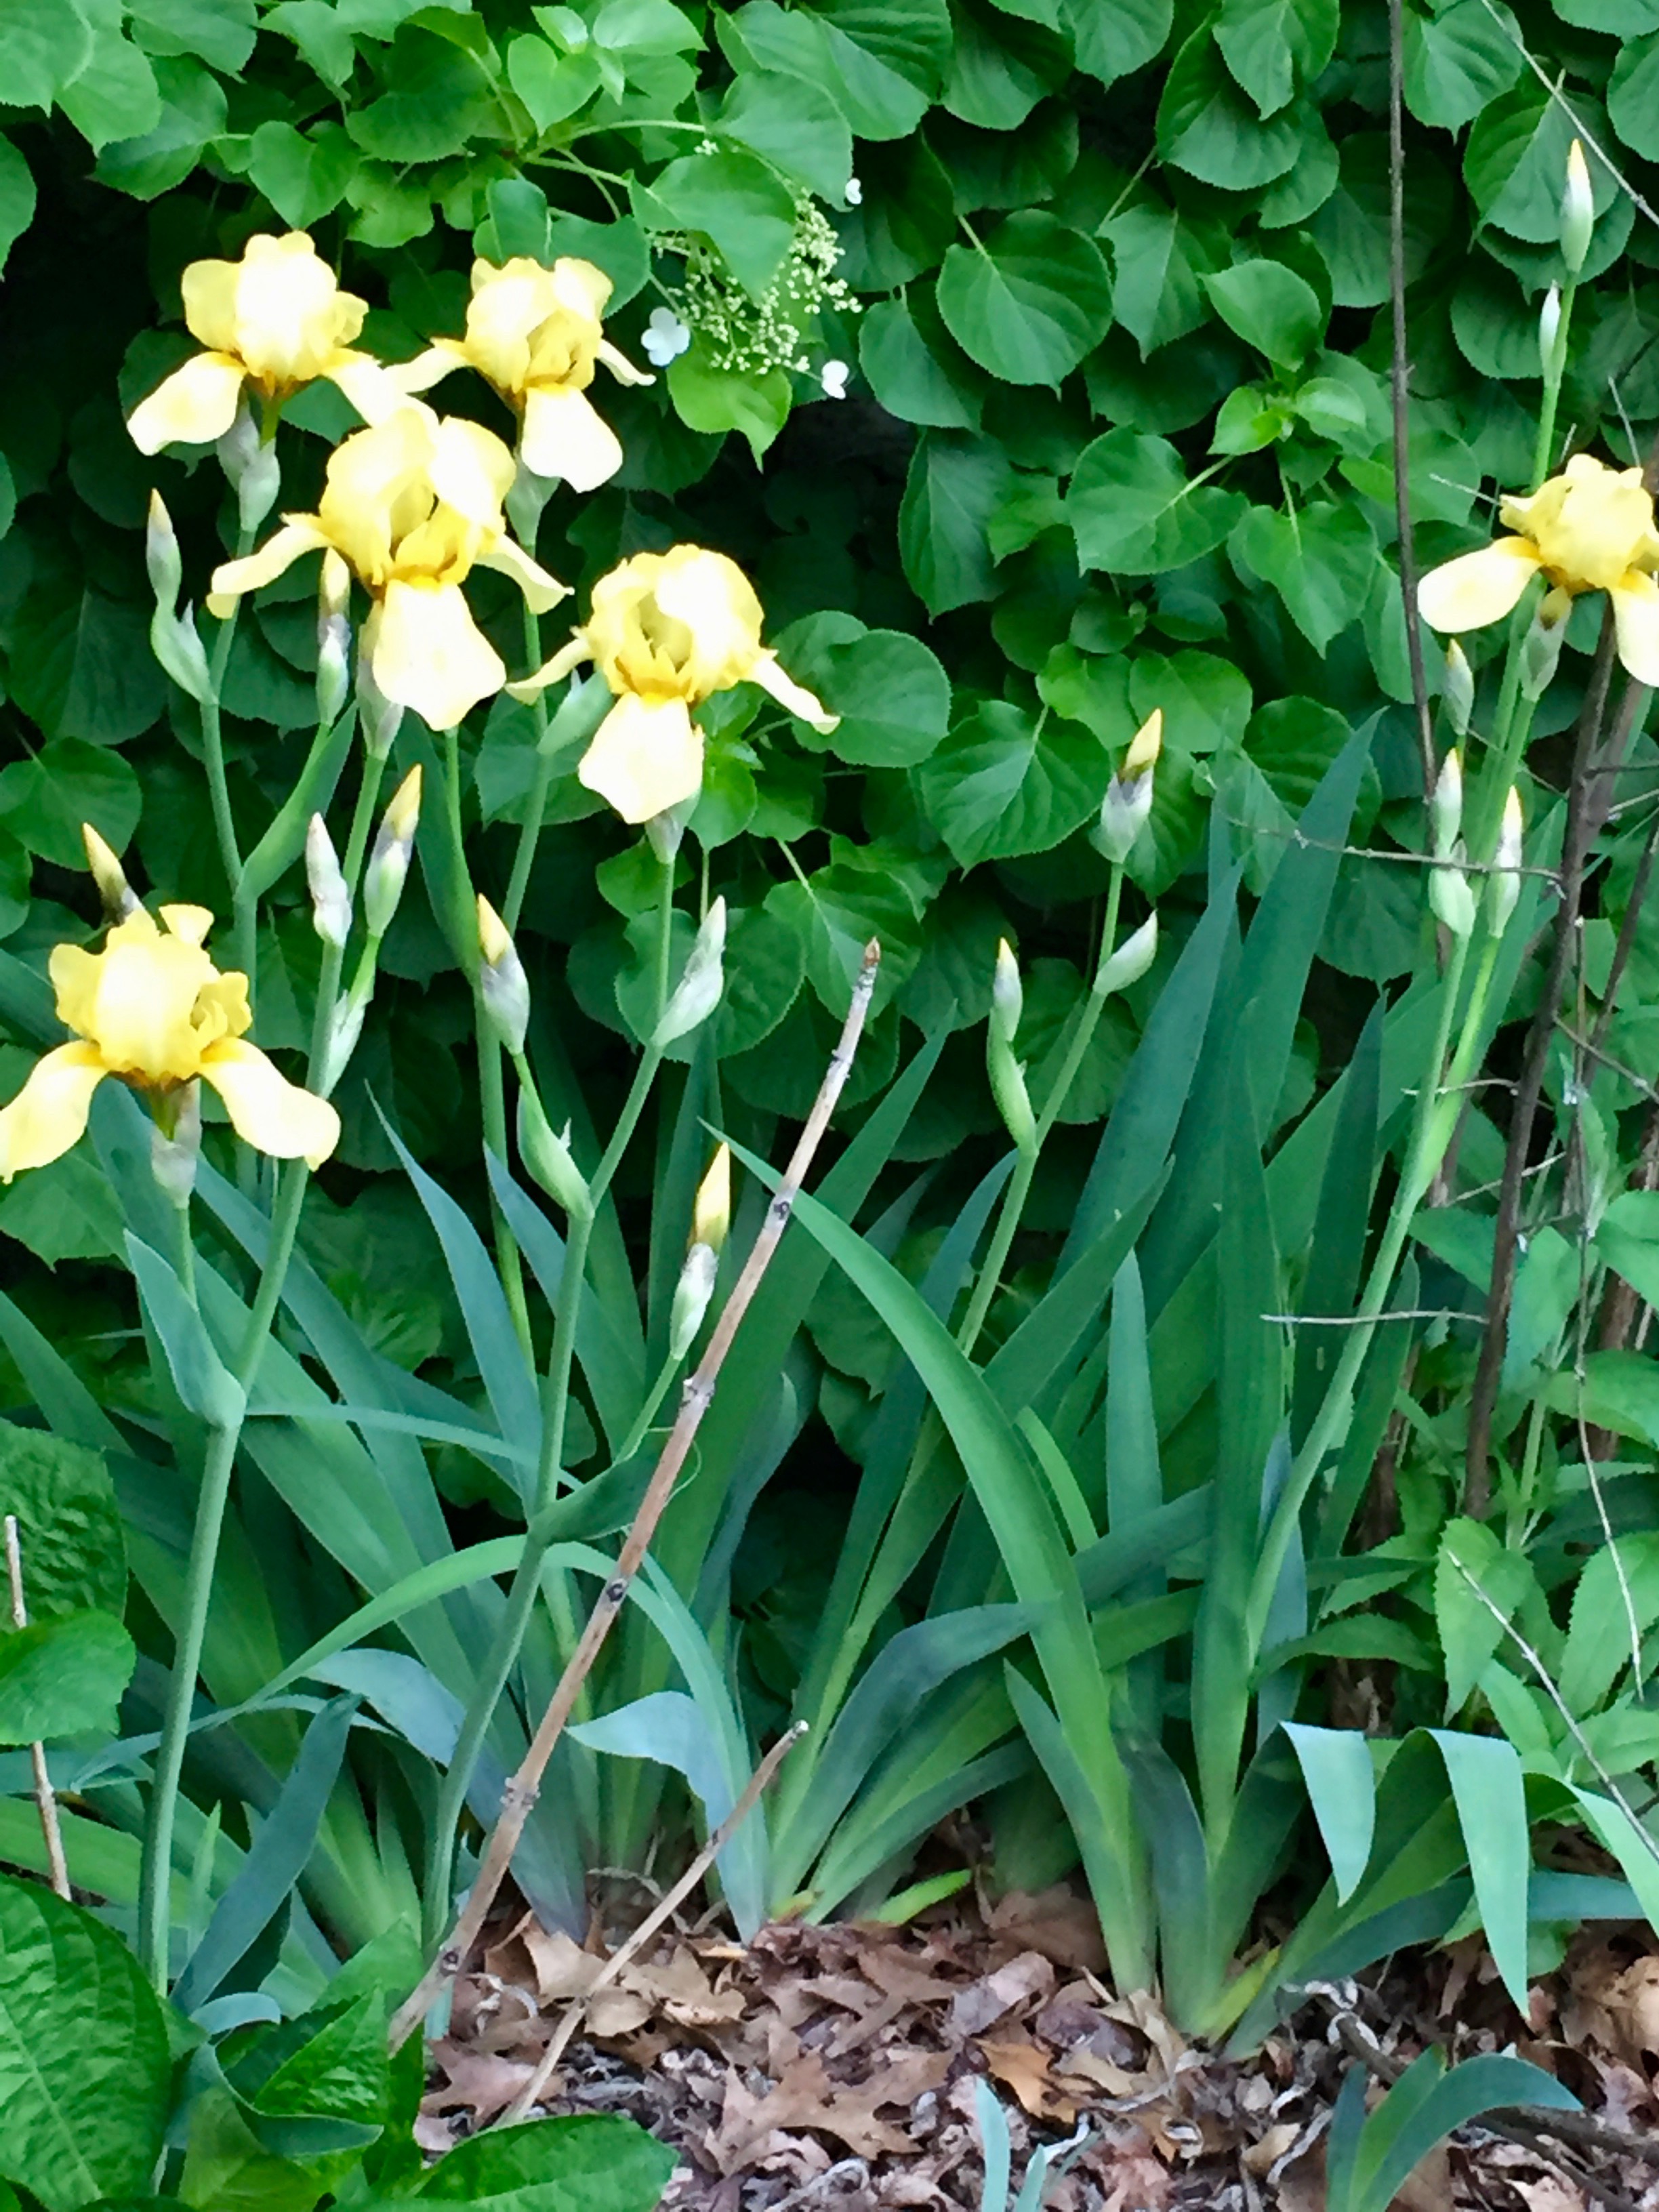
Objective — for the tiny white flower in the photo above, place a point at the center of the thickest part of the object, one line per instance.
(854, 192)
(665, 337)
(833, 376)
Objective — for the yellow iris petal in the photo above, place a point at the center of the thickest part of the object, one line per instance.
(1479, 587)
(194, 405)
(646, 757)
(429, 654)
(565, 436)
(273, 1114)
(795, 697)
(508, 558)
(141, 1021)
(1636, 622)
(50, 1112)
(299, 534)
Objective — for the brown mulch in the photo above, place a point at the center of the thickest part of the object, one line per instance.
(836, 2067)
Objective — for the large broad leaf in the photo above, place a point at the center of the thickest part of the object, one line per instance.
(1006, 782)
(892, 695)
(736, 201)
(1030, 304)
(794, 125)
(1207, 127)
(1322, 560)
(84, 2064)
(1270, 308)
(1134, 512)
(69, 1525)
(955, 485)
(1459, 58)
(63, 1677)
(1272, 46)
(596, 2162)
(1115, 41)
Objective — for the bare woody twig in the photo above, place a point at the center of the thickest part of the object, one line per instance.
(656, 1918)
(44, 1797)
(1591, 781)
(1402, 504)
(520, 1793)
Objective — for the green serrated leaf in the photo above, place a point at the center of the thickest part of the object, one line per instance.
(1134, 512)
(1030, 304)
(1006, 781)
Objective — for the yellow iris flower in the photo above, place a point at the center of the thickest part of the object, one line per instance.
(666, 631)
(275, 319)
(535, 334)
(1590, 529)
(411, 505)
(153, 1009)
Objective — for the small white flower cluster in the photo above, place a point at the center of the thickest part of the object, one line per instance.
(748, 337)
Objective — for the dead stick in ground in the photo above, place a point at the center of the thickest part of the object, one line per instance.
(656, 1918)
(45, 1797)
(1401, 373)
(1586, 813)
(520, 1793)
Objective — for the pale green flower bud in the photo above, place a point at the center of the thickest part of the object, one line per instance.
(161, 555)
(692, 1294)
(502, 984)
(388, 863)
(333, 668)
(345, 1028)
(173, 642)
(175, 1151)
(1457, 689)
(109, 875)
(1130, 962)
(1540, 649)
(698, 991)
(252, 467)
(331, 902)
(548, 1158)
(1505, 883)
(1007, 998)
(1128, 799)
(380, 719)
(1452, 900)
(1549, 331)
(1446, 804)
(1577, 210)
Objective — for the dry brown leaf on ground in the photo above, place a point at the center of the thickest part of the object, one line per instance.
(1023, 2066)
(1026, 1979)
(1056, 1922)
(804, 2097)
(1430, 2188)
(680, 1989)
(477, 2083)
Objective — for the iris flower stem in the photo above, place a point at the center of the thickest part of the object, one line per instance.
(1554, 369)
(665, 932)
(1019, 1187)
(642, 1420)
(521, 1595)
(213, 751)
(328, 982)
(491, 1094)
(155, 1871)
(524, 858)
(1439, 1104)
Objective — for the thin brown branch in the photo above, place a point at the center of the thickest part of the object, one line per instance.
(1399, 378)
(46, 1798)
(1591, 773)
(657, 1918)
(520, 1794)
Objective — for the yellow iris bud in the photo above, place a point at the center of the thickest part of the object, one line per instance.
(501, 981)
(1590, 529)
(412, 506)
(666, 631)
(1577, 210)
(152, 1010)
(108, 874)
(535, 334)
(274, 320)
(711, 1215)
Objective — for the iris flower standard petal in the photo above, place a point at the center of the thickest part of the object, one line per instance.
(535, 334)
(1589, 529)
(152, 1010)
(275, 319)
(667, 630)
(412, 505)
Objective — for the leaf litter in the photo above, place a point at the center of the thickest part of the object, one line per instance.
(824, 2067)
